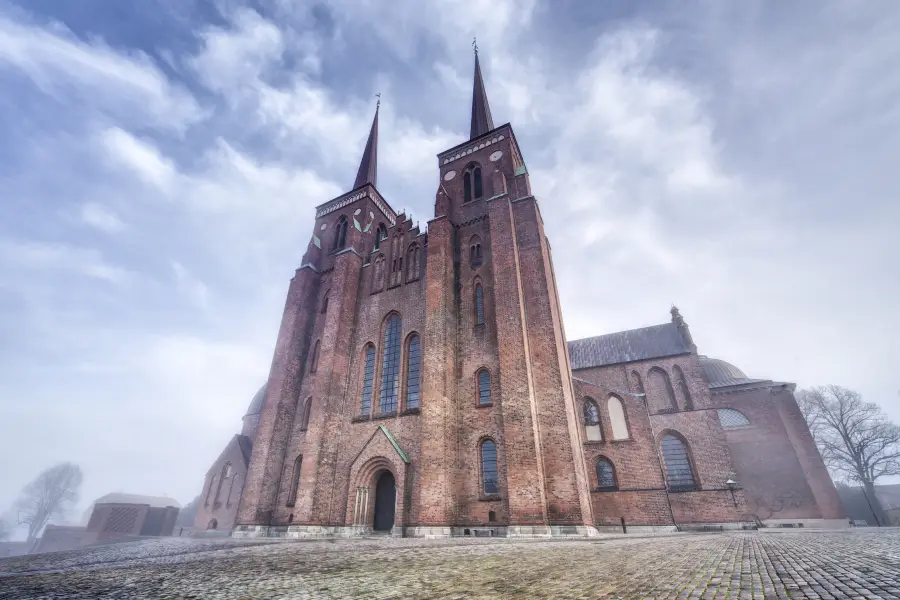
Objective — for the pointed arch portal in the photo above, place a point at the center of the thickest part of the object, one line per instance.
(385, 501)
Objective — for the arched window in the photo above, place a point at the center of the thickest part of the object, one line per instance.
(661, 392)
(475, 257)
(679, 472)
(212, 482)
(390, 366)
(472, 187)
(732, 419)
(591, 413)
(378, 273)
(479, 304)
(226, 470)
(304, 414)
(295, 481)
(617, 421)
(683, 388)
(340, 233)
(368, 376)
(484, 387)
(413, 374)
(325, 301)
(606, 475)
(314, 360)
(490, 481)
(412, 262)
(636, 383)
(380, 235)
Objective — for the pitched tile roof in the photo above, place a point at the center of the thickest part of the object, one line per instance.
(627, 346)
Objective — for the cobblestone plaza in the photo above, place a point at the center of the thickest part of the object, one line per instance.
(771, 564)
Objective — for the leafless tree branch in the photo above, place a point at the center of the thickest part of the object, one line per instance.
(50, 494)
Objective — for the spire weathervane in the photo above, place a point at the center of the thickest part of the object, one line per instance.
(378, 104)
(475, 45)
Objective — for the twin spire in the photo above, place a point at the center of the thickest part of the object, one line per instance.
(482, 122)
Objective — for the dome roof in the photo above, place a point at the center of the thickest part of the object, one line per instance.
(720, 373)
(256, 405)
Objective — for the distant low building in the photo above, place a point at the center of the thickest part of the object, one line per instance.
(126, 515)
(861, 508)
(58, 538)
(13, 549)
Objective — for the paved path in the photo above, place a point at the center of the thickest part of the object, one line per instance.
(852, 564)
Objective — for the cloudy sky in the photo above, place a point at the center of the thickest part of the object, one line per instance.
(160, 160)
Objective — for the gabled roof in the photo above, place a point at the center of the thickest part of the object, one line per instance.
(153, 501)
(627, 346)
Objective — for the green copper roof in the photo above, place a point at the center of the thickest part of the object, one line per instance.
(394, 444)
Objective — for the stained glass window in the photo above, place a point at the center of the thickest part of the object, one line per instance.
(606, 476)
(413, 376)
(390, 366)
(368, 376)
(489, 479)
(484, 387)
(678, 466)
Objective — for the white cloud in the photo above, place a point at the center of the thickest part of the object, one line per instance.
(141, 157)
(100, 217)
(121, 85)
(18, 257)
(195, 290)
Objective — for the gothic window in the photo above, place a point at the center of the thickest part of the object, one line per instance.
(606, 475)
(378, 273)
(663, 396)
(617, 421)
(390, 366)
(484, 387)
(412, 262)
(636, 383)
(475, 257)
(472, 186)
(295, 481)
(212, 482)
(413, 373)
(226, 470)
(732, 419)
(490, 481)
(679, 472)
(340, 233)
(592, 431)
(368, 376)
(314, 360)
(325, 301)
(683, 388)
(304, 414)
(479, 304)
(380, 235)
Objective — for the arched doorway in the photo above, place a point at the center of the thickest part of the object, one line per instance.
(385, 501)
(213, 524)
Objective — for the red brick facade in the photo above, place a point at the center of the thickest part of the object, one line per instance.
(479, 294)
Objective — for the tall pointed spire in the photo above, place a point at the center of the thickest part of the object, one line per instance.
(481, 110)
(368, 166)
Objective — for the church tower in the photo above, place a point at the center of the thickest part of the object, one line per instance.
(420, 382)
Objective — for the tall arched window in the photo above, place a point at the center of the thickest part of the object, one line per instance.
(679, 472)
(606, 474)
(368, 376)
(636, 384)
(592, 431)
(479, 304)
(617, 421)
(412, 262)
(472, 186)
(683, 388)
(390, 366)
(314, 360)
(475, 257)
(380, 235)
(212, 482)
(304, 414)
(340, 233)
(378, 273)
(413, 374)
(325, 301)
(484, 387)
(662, 394)
(490, 481)
(732, 419)
(295, 481)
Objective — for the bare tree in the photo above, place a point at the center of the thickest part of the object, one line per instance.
(856, 439)
(51, 493)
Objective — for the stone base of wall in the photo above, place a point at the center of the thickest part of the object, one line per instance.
(320, 531)
(637, 528)
(429, 532)
(728, 526)
(807, 523)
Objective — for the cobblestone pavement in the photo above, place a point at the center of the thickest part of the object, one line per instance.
(851, 564)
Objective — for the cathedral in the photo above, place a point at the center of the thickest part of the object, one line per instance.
(422, 385)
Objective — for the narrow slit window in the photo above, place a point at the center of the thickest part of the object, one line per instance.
(368, 376)
(489, 477)
(413, 374)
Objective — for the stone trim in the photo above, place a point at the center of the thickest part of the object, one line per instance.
(354, 195)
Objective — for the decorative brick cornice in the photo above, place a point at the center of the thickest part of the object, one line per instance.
(464, 150)
(358, 194)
